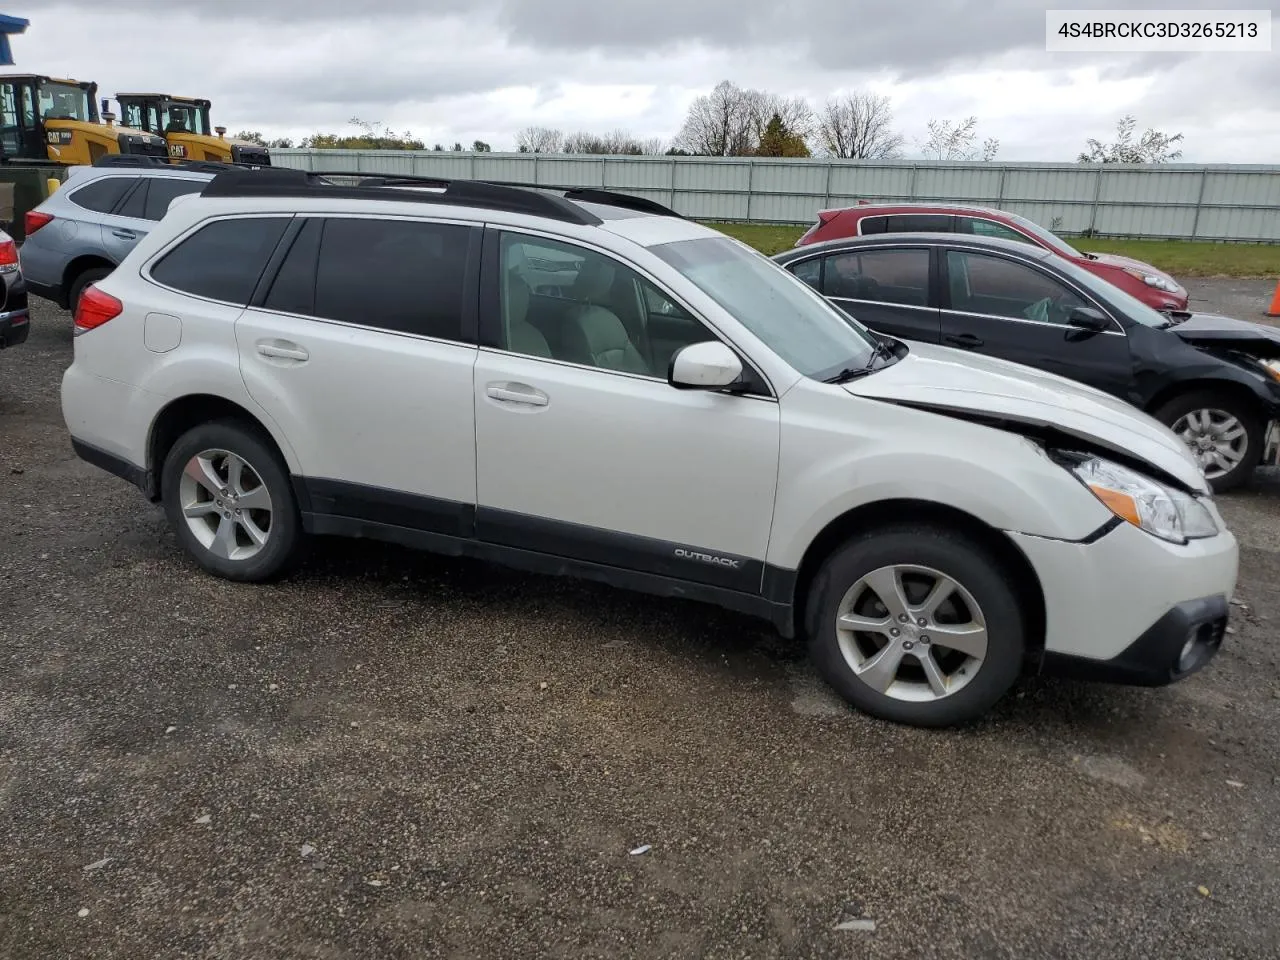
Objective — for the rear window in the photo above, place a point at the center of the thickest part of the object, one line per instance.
(222, 260)
(102, 195)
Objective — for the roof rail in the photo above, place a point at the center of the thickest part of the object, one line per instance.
(527, 198)
(584, 194)
(197, 166)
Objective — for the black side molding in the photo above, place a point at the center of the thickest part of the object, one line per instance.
(140, 477)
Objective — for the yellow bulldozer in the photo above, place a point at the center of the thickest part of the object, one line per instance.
(47, 120)
(184, 123)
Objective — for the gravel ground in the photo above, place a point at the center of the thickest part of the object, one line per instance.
(392, 755)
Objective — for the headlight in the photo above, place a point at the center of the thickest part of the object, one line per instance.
(1161, 511)
(1151, 280)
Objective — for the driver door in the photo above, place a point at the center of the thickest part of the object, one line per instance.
(1007, 308)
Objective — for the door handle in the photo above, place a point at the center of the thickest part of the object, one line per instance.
(516, 393)
(122, 234)
(283, 351)
(965, 340)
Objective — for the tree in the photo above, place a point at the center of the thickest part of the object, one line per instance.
(617, 143)
(251, 136)
(481, 147)
(1153, 147)
(778, 141)
(719, 123)
(539, 140)
(948, 141)
(369, 138)
(730, 121)
(859, 126)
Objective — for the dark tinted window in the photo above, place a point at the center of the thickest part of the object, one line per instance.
(135, 204)
(1003, 288)
(102, 195)
(222, 261)
(920, 223)
(401, 275)
(884, 276)
(810, 271)
(871, 225)
(294, 288)
(163, 190)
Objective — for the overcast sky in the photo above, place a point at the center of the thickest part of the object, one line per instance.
(450, 70)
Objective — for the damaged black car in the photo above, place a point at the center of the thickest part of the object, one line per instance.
(1213, 380)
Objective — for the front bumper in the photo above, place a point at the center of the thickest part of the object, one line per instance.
(1175, 646)
(1123, 606)
(14, 327)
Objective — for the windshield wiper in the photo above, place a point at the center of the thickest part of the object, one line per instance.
(850, 373)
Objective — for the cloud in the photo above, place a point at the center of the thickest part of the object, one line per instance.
(466, 69)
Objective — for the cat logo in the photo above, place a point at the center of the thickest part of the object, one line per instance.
(177, 150)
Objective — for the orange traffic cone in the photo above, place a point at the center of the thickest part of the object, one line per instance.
(1274, 309)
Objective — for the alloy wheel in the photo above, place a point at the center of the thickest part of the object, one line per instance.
(911, 633)
(1218, 439)
(226, 504)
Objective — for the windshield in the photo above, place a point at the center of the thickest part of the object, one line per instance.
(1130, 306)
(792, 319)
(64, 101)
(1052, 239)
(184, 118)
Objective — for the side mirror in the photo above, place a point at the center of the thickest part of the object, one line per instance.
(704, 366)
(1090, 319)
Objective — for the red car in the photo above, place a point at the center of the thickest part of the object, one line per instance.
(1153, 287)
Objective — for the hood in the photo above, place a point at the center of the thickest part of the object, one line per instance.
(1114, 260)
(957, 381)
(1213, 330)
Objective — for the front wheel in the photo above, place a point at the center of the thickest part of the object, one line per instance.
(1224, 432)
(917, 625)
(228, 498)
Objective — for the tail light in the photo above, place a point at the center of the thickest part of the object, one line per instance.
(95, 308)
(8, 256)
(34, 220)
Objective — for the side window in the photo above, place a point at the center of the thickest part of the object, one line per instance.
(920, 223)
(1004, 288)
(135, 204)
(163, 190)
(405, 276)
(810, 271)
(989, 228)
(868, 225)
(883, 276)
(222, 260)
(102, 195)
(132, 116)
(565, 302)
(294, 288)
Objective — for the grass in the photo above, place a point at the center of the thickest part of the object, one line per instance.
(1181, 258)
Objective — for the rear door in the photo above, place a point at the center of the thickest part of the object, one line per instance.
(886, 288)
(1016, 310)
(361, 348)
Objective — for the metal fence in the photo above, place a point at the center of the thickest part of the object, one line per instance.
(1172, 201)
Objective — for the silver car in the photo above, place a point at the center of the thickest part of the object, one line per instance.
(78, 235)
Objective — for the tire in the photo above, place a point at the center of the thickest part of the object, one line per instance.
(252, 546)
(1219, 406)
(82, 282)
(964, 687)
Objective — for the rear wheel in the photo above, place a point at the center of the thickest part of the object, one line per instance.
(917, 625)
(82, 283)
(1223, 431)
(229, 500)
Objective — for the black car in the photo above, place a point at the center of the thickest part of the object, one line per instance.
(1215, 381)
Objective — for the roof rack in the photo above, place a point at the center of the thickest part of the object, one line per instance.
(197, 166)
(539, 199)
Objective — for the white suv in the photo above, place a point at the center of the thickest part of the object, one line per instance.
(579, 382)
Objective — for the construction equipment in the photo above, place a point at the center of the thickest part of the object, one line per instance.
(184, 123)
(48, 120)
